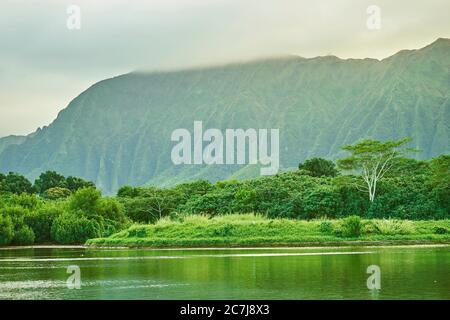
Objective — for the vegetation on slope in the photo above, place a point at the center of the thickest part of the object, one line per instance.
(318, 104)
(414, 190)
(251, 230)
(26, 219)
(56, 209)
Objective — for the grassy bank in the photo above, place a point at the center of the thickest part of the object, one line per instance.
(251, 230)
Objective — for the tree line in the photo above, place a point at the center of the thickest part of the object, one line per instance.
(50, 184)
(375, 181)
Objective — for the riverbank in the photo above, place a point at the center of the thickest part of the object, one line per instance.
(44, 246)
(304, 246)
(256, 231)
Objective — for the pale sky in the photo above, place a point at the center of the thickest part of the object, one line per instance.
(44, 65)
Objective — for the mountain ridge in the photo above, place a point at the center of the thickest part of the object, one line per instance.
(118, 130)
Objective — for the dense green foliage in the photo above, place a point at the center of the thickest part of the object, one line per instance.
(69, 228)
(6, 230)
(56, 193)
(48, 180)
(318, 104)
(27, 219)
(251, 230)
(418, 190)
(15, 183)
(318, 167)
(351, 226)
(50, 184)
(413, 190)
(55, 186)
(373, 159)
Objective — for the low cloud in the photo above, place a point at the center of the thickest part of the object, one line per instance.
(44, 65)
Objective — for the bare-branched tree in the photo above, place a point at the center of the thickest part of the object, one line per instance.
(373, 158)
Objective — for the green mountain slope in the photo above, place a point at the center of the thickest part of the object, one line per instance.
(118, 131)
(10, 140)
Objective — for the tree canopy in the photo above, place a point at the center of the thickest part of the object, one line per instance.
(48, 180)
(51, 179)
(373, 159)
(15, 183)
(319, 167)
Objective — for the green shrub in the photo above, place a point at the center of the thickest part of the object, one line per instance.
(75, 183)
(26, 201)
(440, 230)
(49, 180)
(198, 187)
(321, 202)
(16, 213)
(176, 216)
(326, 227)
(23, 236)
(56, 193)
(151, 205)
(389, 227)
(140, 210)
(85, 201)
(111, 209)
(15, 183)
(351, 226)
(137, 231)
(6, 230)
(217, 201)
(40, 221)
(71, 229)
(225, 230)
(128, 192)
(319, 167)
(109, 227)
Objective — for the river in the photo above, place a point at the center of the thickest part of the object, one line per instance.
(405, 272)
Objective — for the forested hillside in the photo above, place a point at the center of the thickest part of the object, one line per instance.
(118, 131)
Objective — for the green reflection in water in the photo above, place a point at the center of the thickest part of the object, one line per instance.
(265, 273)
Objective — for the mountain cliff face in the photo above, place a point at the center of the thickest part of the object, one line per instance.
(118, 131)
(10, 140)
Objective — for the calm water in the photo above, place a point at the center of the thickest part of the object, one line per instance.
(287, 273)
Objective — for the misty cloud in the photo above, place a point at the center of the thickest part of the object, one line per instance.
(43, 65)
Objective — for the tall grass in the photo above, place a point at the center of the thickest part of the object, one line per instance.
(389, 227)
(249, 229)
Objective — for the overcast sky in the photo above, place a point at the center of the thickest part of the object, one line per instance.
(44, 65)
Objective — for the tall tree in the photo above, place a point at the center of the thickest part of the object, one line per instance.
(48, 180)
(440, 169)
(15, 183)
(440, 180)
(373, 158)
(2, 179)
(318, 167)
(75, 183)
(160, 201)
